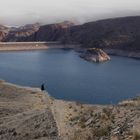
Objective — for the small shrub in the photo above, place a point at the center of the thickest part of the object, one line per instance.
(81, 112)
(70, 114)
(101, 131)
(136, 135)
(70, 107)
(78, 103)
(75, 118)
(82, 124)
(75, 110)
(107, 111)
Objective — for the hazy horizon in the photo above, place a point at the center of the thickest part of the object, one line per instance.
(19, 12)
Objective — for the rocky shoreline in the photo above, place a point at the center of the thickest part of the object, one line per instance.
(100, 56)
(116, 52)
(28, 113)
(124, 53)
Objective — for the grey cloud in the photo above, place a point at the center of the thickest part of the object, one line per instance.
(19, 12)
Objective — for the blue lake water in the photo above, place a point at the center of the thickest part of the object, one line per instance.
(71, 78)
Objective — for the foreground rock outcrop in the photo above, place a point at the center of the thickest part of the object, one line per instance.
(25, 114)
(29, 114)
(95, 55)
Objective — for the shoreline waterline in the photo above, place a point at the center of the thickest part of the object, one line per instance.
(33, 68)
(42, 115)
(37, 89)
(31, 46)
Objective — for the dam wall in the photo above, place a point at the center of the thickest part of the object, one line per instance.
(23, 44)
(9, 46)
(17, 46)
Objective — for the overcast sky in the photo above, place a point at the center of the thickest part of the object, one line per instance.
(19, 12)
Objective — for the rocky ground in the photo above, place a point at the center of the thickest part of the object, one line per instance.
(95, 122)
(25, 115)
(29, 114)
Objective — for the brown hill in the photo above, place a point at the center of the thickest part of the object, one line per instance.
(119, 33)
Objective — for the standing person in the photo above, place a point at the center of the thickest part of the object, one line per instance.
(42, 87)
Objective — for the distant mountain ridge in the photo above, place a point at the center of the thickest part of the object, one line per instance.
(34, 32)
(16, 34)
(117, 33)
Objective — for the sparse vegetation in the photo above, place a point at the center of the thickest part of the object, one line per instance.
(101, 131)
(77, 121)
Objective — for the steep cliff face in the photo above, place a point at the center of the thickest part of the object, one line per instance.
(2, 35)
(3, 32)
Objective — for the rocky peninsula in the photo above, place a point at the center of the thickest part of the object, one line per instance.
(30, 114)
(95, 55)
